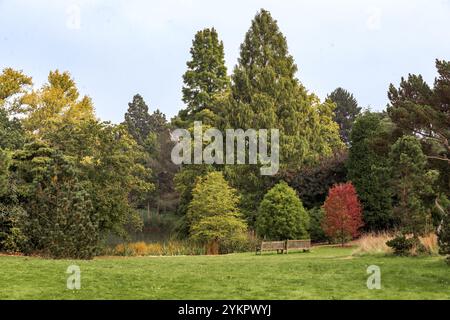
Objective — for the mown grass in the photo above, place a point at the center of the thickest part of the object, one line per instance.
(324, 273)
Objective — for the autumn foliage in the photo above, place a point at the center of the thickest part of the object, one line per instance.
(343, 210)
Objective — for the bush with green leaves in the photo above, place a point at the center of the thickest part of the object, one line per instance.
(404, 246)
(281, 215)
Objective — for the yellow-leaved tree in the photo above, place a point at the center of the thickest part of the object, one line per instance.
(57, 102)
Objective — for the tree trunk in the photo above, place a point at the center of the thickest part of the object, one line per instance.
(212, 248)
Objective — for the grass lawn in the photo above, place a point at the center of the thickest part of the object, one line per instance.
(324, 273)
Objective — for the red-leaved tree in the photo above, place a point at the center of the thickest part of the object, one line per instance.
(343, 210)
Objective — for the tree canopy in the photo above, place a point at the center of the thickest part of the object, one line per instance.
(282, 215)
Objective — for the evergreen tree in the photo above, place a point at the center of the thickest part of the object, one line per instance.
(205, 84)
(137, 120)
(267, 95)
(369, 171)
(205, 80)
(412, 185)
(157, 122)
(161, 164)
(346, 111)
(152, 134)
(422, 111)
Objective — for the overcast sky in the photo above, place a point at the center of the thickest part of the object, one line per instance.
(115, 49)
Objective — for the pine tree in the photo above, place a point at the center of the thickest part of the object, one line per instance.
(346, 111)
(417, 109)
(137, 120)
(412, 185)
(205, 79)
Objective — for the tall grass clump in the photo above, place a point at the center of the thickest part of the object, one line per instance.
(170, 248)
(375, 243)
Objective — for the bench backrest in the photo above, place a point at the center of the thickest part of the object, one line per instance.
(298, 244)
(273, 245)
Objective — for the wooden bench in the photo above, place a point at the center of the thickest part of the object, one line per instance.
(279, 246)
(304, 245)
(284, 246)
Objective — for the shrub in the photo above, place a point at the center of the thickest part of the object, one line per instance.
(343, 217)
(281, 215)
(401, 245)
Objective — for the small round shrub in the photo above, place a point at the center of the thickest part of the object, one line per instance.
(401, 245)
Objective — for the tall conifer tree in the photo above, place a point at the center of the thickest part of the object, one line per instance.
(137, 119)
(346, 111)
(265, 94)
(204, 80)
